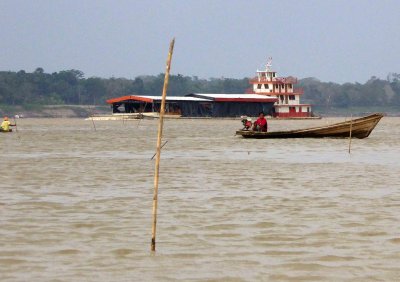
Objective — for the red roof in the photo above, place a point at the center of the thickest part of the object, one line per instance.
(130, 97)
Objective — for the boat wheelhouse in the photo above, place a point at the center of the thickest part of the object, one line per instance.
(283, 89)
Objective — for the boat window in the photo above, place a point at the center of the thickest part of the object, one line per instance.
(291, 97)
(266, 86)
(259, 86)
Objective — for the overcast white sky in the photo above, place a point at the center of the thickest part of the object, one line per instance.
(340, 41)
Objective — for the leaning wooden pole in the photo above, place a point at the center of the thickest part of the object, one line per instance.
(351, 128)
(158, 151)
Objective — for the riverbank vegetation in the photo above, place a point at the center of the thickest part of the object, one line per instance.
(70, 87)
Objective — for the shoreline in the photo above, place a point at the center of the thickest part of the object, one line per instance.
(85, 111)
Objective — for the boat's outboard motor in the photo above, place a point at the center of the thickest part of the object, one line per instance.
(246, 121)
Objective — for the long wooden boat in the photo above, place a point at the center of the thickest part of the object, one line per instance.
(360, 128)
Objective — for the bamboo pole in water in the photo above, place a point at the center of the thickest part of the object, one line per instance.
(158, 151)
(91, 116)
(141, 116)
(351, 128)
(16, 129)
(16, 126)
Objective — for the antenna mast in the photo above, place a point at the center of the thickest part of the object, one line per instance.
(268, 66)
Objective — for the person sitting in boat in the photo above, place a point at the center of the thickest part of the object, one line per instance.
(5, 125)
(246, 121)
(261, 123)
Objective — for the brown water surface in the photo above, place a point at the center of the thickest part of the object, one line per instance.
(76, 203)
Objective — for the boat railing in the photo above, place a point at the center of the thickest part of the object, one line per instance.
(285, 80)
(296, 91)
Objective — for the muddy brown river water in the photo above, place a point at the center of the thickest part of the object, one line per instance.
(75, 204)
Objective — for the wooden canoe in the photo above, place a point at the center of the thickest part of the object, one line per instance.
(360, 128)
(2, 131)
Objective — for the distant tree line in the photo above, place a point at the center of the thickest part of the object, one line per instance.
(375, 92)
(71, 87)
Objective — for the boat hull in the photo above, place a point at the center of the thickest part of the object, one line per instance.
(360, 128)
(9, 131)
